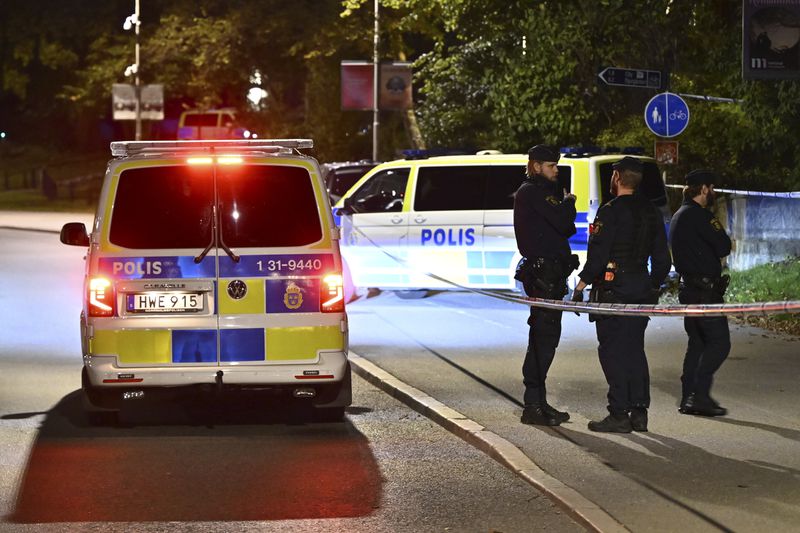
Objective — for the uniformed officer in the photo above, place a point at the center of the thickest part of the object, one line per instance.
(627, 232)
(544, 219)
(698, 244)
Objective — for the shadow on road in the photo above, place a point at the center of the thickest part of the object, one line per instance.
(698, 479)
(231, 461)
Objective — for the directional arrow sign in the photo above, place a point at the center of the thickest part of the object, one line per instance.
(631, 77)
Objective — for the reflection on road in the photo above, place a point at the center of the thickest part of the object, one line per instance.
(231, 462)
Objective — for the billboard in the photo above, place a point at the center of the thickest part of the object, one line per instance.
(123, 101)
(771, 39)
(394, 86)
(356, 85)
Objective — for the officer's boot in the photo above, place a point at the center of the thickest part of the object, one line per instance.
(536, 414)
(703, 405)
(613, 423)
(639, 418)
(561, 416)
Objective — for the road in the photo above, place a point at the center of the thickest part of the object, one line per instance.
(737, 473)
(217, 464)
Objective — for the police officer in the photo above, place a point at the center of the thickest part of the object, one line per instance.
(698, 243)
(544, 219)
(627, 232)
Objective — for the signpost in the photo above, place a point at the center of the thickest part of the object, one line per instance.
(666, 152)
(631, 77)
(666, 114)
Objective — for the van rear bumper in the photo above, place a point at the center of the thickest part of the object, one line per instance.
(104, 372)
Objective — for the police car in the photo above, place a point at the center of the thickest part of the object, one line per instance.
(212, 264)
(452, 216)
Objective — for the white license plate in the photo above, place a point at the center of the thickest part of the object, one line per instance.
(164, 302)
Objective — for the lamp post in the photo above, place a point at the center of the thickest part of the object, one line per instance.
(134, 22)
(375, 66)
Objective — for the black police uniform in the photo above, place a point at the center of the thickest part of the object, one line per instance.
(698, 243)
(626, 232)
(543, 224)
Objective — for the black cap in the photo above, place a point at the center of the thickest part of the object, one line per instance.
(543, 153)
(701, 177)
(628, 163)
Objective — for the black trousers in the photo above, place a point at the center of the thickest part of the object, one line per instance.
(709, 345)
(624, 363)
(543, 337)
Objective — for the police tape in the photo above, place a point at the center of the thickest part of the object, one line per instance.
(615, 309)
(792, 194)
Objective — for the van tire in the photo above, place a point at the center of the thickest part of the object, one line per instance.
(350, 291)
(412, 294)
(328, 414)
(96, 404)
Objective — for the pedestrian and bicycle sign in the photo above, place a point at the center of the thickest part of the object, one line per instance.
(631, 77)
(666, 114)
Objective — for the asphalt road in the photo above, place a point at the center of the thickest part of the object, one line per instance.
(737, 473)
(231, 464)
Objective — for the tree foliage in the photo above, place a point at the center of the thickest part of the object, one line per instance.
(489, 73)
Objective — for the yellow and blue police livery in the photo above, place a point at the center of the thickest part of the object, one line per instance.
(452, 216)
(213, 262)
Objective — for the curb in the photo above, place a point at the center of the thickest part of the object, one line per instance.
(584, 511)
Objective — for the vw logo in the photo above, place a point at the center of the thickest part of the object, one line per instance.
(237, 289)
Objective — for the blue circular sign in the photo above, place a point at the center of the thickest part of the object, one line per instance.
(666, 114)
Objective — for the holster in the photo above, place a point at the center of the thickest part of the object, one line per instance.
(543, 278)
(697, 289)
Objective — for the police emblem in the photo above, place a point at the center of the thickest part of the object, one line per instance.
(596, 227)
(293, 297)
(716, 224)
(552, 199)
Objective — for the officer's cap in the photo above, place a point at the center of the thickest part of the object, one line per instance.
(543, 153)
(701, 177)
(628, 163)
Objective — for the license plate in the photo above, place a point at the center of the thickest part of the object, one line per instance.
(164, 302)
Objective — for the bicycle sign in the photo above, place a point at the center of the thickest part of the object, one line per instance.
(666, 115)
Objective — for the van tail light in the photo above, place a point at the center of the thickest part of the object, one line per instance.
(331, 294)
(101, 297)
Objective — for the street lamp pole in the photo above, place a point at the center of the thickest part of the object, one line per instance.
(136, 78)
(375, 118)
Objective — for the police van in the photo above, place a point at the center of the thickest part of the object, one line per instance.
(212, 265)
(452, 216)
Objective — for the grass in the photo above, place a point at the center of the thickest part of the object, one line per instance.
(34, 200)
(769, 283)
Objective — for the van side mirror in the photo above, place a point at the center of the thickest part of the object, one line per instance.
(74, 234)
(347, 208)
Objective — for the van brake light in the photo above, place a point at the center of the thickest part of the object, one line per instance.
(101, 297)
(331, 294)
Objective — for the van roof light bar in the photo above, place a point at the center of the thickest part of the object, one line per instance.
(129, 148)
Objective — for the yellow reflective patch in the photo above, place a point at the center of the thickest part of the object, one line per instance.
(134, 346)
(287, 344)
(253, 302)
(552, 200)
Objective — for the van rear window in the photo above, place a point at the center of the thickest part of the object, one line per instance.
(172, 207)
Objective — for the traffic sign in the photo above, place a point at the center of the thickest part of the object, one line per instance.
(666, 114)
(631, 77)
(666, 152)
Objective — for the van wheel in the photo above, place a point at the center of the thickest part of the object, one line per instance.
(329, 414)
(350, 290)
(412, 295)
(102, 418)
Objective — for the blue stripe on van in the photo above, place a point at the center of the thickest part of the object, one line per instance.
(242, 345)
(581, 217)
(276, 265)
(162, 267)
(194, 346)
